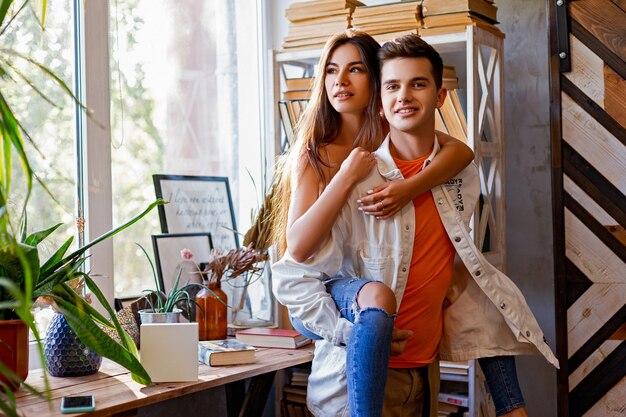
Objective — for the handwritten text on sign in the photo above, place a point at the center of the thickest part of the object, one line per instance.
(199, 206)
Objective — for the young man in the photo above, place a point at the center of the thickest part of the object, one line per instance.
(414, 254)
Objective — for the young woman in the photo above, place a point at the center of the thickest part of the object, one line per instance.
(335, 138)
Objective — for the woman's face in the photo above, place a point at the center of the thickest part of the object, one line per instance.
(347, 81)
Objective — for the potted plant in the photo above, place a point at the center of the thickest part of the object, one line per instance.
(24, 277)
(165, 308)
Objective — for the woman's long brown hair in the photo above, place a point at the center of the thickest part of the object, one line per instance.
(319, 126)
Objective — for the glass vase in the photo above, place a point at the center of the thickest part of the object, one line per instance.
(211, 312)
(252, 300)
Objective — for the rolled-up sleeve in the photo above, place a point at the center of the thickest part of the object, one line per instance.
(299, 286)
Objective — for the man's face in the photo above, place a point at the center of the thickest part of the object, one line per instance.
(409, 95)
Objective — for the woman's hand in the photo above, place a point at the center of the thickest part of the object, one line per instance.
(387, 199)
(357, 165)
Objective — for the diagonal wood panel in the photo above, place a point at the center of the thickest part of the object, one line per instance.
(589, 313)
(605, 20)
(590, 139)
(587, 202)
(592, 362)
(612, 404)
(590, 255)
(615, 95)
(587, 70)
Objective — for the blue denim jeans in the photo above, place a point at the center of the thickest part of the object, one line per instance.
(368, 348)
(501, 378)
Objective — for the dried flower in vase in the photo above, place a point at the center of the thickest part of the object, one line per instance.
(233, 263)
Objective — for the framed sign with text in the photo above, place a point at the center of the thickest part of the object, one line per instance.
(197, 204)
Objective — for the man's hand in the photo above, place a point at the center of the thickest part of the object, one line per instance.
(399, 338)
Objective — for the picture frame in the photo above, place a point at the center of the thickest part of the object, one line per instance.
(197, 204)
(168, 259)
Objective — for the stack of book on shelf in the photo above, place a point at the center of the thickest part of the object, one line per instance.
(290, 113)
(312, 22)
(453, 396)
(451, 118)
(454, 368)
(298, 88)
(450, 16)
(272, 338)
(225, 352)
(388, 21)
(293, 402)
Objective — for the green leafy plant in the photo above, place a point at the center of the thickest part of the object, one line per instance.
(177, 297)
(24, 277)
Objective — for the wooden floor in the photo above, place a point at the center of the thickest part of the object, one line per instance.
(117, 394)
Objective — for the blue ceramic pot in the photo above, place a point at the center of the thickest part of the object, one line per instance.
(65, 354)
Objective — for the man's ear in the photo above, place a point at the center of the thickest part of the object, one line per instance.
(441, 97)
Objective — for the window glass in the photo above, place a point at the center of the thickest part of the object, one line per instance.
(46, 113)
(174, 107)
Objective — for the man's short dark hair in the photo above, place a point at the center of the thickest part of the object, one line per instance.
(412, 46)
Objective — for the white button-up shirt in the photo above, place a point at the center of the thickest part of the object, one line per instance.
(485, 313)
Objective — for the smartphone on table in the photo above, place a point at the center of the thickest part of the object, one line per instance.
(78, 404)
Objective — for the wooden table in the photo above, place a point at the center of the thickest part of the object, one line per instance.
(118, 395)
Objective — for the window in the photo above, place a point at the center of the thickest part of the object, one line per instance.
(49, 121)
(184, 100)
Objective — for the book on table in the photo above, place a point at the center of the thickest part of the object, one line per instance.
(225, 352)
(276, 338)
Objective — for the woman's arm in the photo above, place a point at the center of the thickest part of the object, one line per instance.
(387, 199)
(311, 217)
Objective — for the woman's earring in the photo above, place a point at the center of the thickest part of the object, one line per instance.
(382, 114)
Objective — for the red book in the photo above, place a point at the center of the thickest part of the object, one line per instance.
(276, 338)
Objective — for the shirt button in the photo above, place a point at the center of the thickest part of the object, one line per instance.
(502, 306)
(527, 333)
(440, 201)
(477, 273)
(457, 239)
(407, 227)
(403, 269)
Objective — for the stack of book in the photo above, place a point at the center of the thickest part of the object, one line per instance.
(453, 396)
(293, 402)
(451, 118)
(290, 113)
(298, 88)
(388, 21)
(441, 17)
(272, 338)
(311, 23)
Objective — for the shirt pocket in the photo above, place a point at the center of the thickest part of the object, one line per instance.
(376, 268)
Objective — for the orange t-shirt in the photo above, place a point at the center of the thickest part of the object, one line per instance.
(430, 276)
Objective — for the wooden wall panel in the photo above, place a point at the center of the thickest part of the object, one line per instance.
(588, 132)
(611, 404)
(591, 140)
(590, 255)
(604, 20)
(592, 361)
(587, 70)
(587, 202)
(614, 95)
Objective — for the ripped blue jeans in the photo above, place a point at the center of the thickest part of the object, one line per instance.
(367, 350)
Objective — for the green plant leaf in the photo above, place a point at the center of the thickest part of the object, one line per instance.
(56, 257)
(127, 342)
(96, 339)
(36, 238)
(115, 231)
